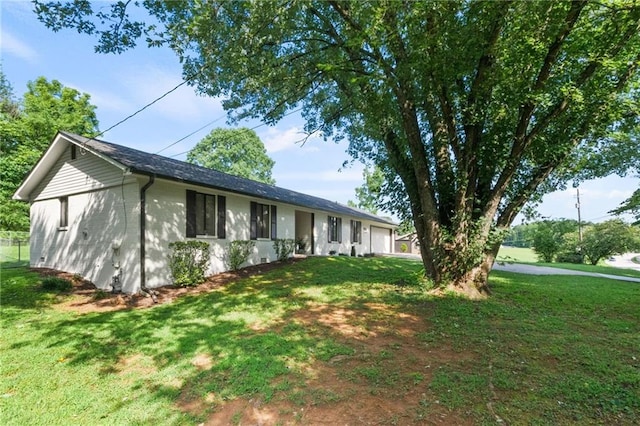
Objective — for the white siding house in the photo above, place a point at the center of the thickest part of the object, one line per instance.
(108, 213)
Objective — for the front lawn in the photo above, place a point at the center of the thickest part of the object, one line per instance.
(335, 340)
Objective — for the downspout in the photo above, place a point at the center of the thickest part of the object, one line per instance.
(143, 225)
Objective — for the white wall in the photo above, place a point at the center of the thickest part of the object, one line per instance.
(167, 222)
(376, 242)
(97, 220)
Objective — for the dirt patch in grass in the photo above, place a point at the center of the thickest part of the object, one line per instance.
(85, 297)
(383, 381)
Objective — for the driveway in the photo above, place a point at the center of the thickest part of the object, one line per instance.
(546, 270)
(623, 261)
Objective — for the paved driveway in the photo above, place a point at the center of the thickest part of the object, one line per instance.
(546, 270)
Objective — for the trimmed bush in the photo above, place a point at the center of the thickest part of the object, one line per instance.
(188, 261)
(238, 252)
(56, 284)
(284, 248)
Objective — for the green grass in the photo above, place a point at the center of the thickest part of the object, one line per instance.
(541, 350)
(14, 255)
(517, 255)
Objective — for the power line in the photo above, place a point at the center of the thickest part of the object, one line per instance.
(190, 134)
(143, 108)
(253, 128)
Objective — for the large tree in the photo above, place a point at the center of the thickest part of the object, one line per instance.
(239, 152)
(26, 129)
(369, 193)
(476, 106)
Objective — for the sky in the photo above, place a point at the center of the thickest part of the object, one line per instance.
(120, 85)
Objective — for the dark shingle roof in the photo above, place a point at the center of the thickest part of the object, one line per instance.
(168, 168)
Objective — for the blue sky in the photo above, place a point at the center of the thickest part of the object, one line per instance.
(119, 85)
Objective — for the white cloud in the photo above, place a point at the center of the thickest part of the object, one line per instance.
(104, 100)
(276, 140)
(13, 46)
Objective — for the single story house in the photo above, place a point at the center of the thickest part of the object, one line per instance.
(108, 213)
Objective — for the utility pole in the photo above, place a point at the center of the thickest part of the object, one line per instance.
(579, 220)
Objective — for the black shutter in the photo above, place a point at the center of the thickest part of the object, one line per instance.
(352, 229)
(274, 223)
(254, 224)
(340, 230)
(191, 214)
(222, 216)
(329, 228)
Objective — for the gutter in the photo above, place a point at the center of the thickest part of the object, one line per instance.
(143, 225)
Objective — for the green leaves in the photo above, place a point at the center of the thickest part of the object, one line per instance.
(26, 129)
(239, 152)
(189, 262)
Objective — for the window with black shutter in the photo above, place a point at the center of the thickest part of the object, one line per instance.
(263, 221)
(356, 231)
(206, 215)
(335, 229)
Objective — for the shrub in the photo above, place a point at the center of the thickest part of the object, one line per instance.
(100, 294)
(238, 252)
(568, 257)
(284, 248)
(188, 261)
(56, 284)
(301, 245)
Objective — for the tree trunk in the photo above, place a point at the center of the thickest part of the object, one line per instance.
(462, 264)
(474, 284)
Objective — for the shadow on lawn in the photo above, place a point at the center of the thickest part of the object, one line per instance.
(242, 328)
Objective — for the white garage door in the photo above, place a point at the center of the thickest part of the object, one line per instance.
(380, 240)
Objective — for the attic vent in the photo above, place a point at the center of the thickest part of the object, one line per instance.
(74, 152)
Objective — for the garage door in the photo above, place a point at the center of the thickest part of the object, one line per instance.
(380, 240)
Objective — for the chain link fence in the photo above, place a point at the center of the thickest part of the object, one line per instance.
(14, 249)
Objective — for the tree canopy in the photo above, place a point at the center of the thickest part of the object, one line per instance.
(239, 152)
(630, 205)
(26, 129)
(477, 107)
(369, 193)
(608, 238)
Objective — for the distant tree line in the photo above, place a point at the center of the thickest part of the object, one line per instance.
(565, 241)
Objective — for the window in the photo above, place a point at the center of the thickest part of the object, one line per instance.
(335, 229)
(263, 221)
(206, 215)
(64, 212)
(356, 231)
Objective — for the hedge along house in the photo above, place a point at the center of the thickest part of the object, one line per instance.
(108, 213)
